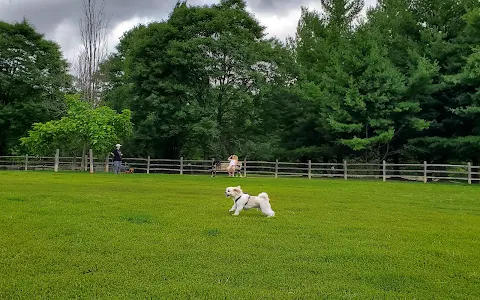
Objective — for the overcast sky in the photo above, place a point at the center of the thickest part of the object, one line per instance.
(59, 19)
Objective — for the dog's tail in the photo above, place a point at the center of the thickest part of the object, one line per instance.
(264, 196)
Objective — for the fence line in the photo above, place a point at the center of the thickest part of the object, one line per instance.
(385, 171)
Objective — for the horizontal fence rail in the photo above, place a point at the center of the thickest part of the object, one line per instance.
(381, 171)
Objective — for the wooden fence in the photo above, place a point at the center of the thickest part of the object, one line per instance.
(381, 171)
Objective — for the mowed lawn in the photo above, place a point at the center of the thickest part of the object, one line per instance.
(139, 236)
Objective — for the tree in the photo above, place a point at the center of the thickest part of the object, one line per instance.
(456, 136)
(373, 108)
(82, 128)
(364, 99)
(93, 33)
(443, 46)
(311, 45)
(193, 79)
(322, 50)
(33, 76)
(340, 14)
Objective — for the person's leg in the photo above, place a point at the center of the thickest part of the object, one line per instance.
(116, 165)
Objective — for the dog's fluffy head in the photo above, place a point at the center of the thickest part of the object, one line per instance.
(233, 191)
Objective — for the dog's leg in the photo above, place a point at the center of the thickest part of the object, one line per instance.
(267, 209)
(238, 210)
(233, 207)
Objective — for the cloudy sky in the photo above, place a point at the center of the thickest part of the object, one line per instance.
(59, 19)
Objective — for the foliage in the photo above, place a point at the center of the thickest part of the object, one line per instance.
(82, 128)
(32, 76)
(400, 83)
(195, 78)
(341, 14)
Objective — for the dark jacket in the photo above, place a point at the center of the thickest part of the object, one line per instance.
(117, 155)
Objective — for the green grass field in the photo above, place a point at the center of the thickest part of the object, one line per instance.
(76, 235)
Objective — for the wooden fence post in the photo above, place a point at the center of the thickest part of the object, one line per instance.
(384, 171)
(245, 167)
(91, 160)
(148, 164)
(276, 168)
(213, 167)
(309, 169)
(345, 169)
(469, 168)
(26, 162)
(85, 162)
(424, 172)
(181, 165)
(57, 158)
(107, 161)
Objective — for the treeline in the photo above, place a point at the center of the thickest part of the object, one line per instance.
(401, 83)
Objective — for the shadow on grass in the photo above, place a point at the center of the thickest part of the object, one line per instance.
(16, 199)
(212, 232)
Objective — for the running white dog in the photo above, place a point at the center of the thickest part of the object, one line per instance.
(245, 201)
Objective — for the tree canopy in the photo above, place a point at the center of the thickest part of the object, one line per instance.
(81, 129)
(399, 82)
(33, 76)
(195, 79)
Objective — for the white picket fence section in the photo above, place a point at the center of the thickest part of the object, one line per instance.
(383, 171)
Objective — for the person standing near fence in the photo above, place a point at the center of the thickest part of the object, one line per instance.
(117, 159)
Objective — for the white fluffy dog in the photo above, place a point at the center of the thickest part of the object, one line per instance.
(245, 201)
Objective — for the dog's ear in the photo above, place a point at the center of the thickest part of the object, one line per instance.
(237, 189)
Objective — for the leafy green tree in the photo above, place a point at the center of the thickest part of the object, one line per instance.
(194, 79)
(311, 46)
(82, 128)
(33, 76)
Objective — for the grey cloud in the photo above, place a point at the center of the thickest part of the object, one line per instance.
(47, 15)
(281, 7)
(278, 6)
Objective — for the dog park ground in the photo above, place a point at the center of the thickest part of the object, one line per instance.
(76, 235)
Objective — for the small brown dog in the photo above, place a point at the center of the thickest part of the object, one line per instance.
(129, 171)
